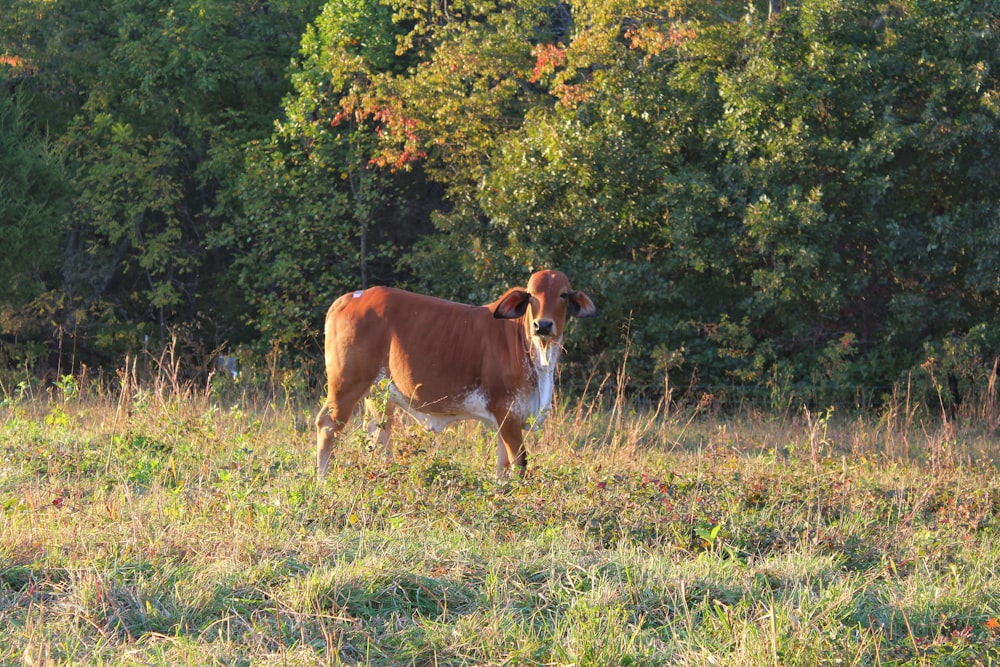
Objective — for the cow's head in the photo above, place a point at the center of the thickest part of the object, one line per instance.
(547, 300)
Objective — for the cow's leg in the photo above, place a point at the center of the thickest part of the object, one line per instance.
(331, 421)
(381, 421)
(503, 460)
(510, 449)
(327, 429)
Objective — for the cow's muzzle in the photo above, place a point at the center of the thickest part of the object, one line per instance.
(543, 328)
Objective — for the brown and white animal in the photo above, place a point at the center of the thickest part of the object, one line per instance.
(448, 361)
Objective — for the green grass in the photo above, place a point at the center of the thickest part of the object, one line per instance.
(163, 527)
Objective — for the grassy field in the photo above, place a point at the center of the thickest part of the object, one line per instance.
(168, 526)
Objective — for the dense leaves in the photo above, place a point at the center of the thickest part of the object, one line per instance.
(855, 240)
(315, 204)
(151, 105)
(32, 202)
(795, 203)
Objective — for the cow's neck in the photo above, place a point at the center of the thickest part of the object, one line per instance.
(538, 401)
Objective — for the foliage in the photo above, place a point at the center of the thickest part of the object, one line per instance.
(795, 205)
(789, 181)
(315, 206)
(150, 104)
(33, 199)
(852, 233)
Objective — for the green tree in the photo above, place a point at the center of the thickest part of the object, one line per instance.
(776, 202)
(468, 87)
(577, 186)
(802, 206)
(151, 103)
(321, 206)
(33, 201)
(574, 132)
(859, 145)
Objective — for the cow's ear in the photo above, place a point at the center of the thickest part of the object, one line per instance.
(580, 305)
(512, 304)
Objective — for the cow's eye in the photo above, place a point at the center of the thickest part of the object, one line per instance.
(564, 295)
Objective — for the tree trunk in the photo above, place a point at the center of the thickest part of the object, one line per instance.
(773, 8)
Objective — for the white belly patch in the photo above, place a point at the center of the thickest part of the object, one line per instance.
(471, 406)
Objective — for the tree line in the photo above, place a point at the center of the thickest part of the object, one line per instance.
(766, 201)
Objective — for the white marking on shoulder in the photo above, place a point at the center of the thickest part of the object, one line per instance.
(357, 294)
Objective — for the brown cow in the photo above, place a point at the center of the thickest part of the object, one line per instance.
(447, 361)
